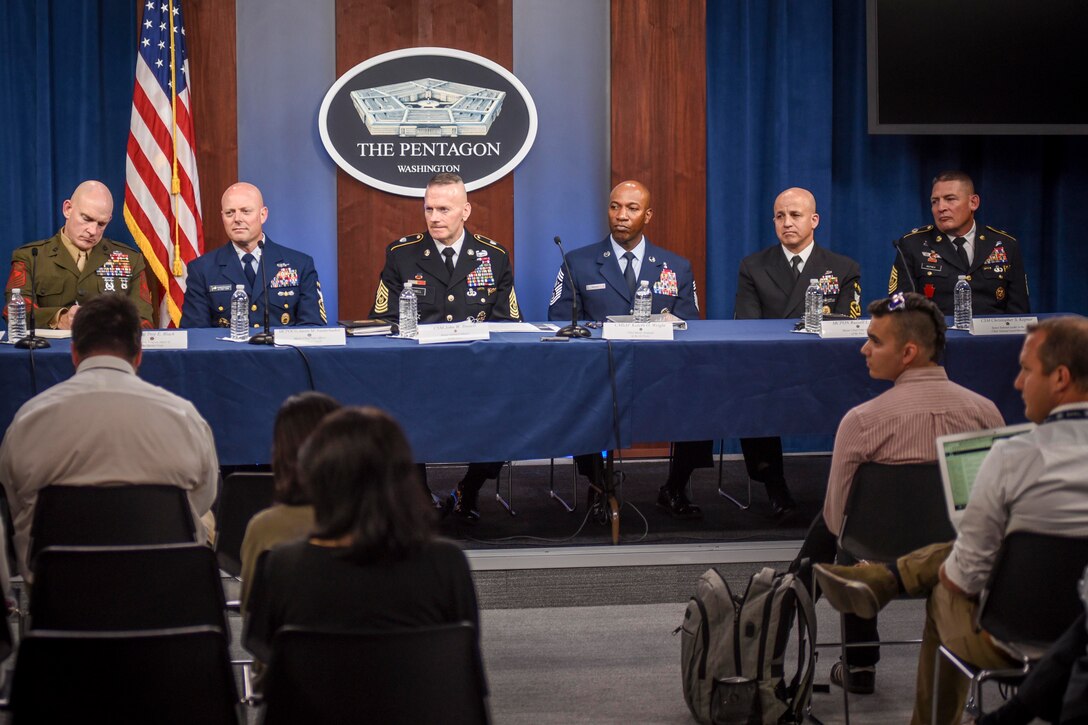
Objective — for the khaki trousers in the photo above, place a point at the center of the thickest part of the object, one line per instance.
(950, 620)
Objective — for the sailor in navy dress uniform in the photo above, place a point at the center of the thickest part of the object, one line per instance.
(607, 274)
(771, 284)
(934, 256)
(457, 276)
(294, 291)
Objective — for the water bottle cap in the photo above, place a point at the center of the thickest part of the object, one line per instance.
(814, 281)
(16, 290)
(963, 276)
(239, 286)
(644, 283)
(408, 283)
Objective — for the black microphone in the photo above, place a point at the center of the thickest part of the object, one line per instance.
(906, 268)
(266, 337)
(573, 329)
(32, 341)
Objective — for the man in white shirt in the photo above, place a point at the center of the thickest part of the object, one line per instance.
(1037, 481)
(105, 426)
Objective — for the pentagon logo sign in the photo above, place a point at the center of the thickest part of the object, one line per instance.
(399, 118)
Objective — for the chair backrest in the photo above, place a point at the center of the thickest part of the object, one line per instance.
(242, 496)
(130, 515)
(419, 675)
(1031, 598)
(164, 676)
(893, 510)
(127, 588)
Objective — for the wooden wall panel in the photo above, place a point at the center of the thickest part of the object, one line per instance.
(213, 70)
(659, 118)
(369, 219)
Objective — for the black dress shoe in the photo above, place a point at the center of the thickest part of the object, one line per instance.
(677, 504)
(781, 508)
(459, 505)
(597, 506)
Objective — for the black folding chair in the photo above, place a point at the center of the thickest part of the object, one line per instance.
(242, 496)
(110, 516)
(418, 676)
(1029, 602)
(127, 588)
(168, 676)
(891, 511)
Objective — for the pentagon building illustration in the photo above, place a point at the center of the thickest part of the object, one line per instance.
(428, 107)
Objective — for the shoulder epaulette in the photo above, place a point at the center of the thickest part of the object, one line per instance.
(405, 241)
(920, 230)
(1001, 231)
(484, 240)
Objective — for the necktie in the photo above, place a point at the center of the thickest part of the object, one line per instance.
(448, 254)
(247, 266)
(629, 272)
(81, 261)
(961, 252)
(796, 263)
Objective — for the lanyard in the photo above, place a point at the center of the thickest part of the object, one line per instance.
(1073, 414)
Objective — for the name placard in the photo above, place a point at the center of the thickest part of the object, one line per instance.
(310, 336)
(637, 331)
(1001, 325)
(844, 328)
(164, 339)
(452, 332)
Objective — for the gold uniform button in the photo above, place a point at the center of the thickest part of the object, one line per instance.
(253, 307)
(450, 298)
(286, 306)
(449, 318)
(968, 278)
(256, 325)
(220, 308)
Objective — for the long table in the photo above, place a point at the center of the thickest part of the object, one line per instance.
(516, 397)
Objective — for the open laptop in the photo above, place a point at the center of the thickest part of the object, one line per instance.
(960, 455)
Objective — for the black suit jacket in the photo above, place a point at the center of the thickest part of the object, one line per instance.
(766, 288)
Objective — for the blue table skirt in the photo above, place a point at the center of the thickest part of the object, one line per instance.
(515, 397)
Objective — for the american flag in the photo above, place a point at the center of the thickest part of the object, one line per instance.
(162, 190)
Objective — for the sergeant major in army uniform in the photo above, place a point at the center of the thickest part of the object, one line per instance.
(456, 276)
(77, 264)
(931, 259)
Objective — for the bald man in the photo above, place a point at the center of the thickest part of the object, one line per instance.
(607, 274)
(77, 264)
(772, 285)
(290, 279)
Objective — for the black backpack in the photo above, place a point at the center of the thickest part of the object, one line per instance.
(732, 650)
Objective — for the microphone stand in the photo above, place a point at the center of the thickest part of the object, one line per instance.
(906, 268)
(32, 341)
(263, 338)
(573, 329)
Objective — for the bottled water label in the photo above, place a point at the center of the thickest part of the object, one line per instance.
(644, 300)
(814, 307)
(239, 314)
(16, 316)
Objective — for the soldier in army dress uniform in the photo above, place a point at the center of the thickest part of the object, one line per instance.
(77, 264)
(931, 259)
(456, 276)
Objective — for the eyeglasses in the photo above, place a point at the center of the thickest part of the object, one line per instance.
(897, 302)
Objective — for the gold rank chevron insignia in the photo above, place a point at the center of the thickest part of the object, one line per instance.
(514, 311)
(855, 304)
(321, 304)
(381, 300)
(893, 281)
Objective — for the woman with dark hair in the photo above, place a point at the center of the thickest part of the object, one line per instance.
(372, 560)
(292, 516)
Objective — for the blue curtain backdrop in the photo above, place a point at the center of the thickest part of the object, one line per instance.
(66, 75)
(786, 103)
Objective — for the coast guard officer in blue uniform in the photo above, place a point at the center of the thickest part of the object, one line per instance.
(607, 274)
(294, 292)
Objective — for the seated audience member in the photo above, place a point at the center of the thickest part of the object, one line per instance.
(1036, 481)
(372, 560)
(291, 517)
(105, 426)
(899, 426)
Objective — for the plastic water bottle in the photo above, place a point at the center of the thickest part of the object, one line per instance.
(814, 306)
(239, 314)
(962, 304)
(16, 316)
(644, 300)
(409, 311)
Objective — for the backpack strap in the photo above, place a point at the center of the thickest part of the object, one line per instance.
(800, 688)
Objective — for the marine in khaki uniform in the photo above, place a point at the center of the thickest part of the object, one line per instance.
(77, 263)
(456, 276)
(931, 259)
